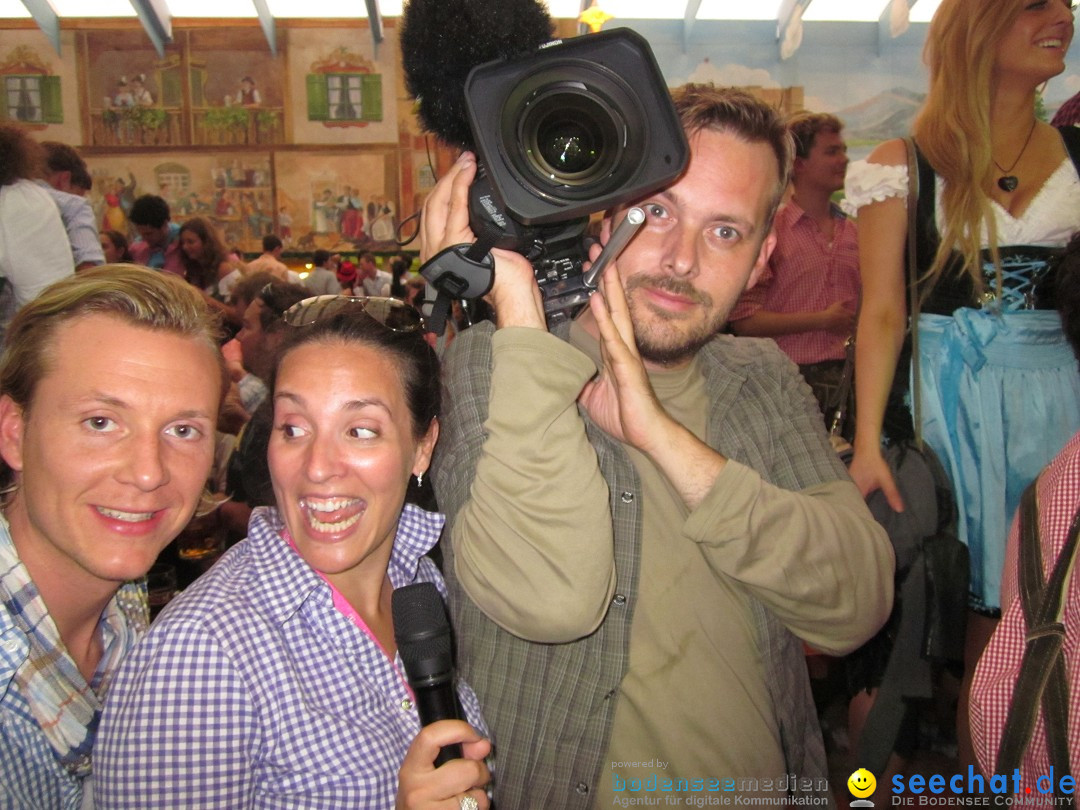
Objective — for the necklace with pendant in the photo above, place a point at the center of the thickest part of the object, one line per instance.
(1008, 181)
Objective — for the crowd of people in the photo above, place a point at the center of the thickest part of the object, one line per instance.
(650, 524)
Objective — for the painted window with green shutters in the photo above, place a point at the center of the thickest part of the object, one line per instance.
(32, 98)
(172, 94)
(344, 96)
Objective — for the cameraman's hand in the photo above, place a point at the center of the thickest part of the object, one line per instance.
(620, 399)
(421, 784)
(445, 222)
(445, 218)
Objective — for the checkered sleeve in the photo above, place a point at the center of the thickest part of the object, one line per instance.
(999, 666)
(753, 299)
(179, 727)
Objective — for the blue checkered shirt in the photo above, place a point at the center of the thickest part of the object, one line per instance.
(252, 690)
(80, 224)
(31, 776)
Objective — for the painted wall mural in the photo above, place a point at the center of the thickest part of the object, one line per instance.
(31, 91)
(338, 201)
(874, 83)
(232, 190)
(343, 90)
(318, 142)
(212, 88)
(38, 88)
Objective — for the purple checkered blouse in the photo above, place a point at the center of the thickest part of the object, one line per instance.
(252, 690)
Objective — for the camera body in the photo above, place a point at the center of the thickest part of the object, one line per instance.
(580, 126)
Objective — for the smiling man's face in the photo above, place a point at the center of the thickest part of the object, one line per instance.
(704, 241)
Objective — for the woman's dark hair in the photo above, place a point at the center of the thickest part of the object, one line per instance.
(21, 157)
(416, 362)
(1067, 292)
(120, 242)
(203, 271)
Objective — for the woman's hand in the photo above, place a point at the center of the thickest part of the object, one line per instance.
(870, 473)
(422, 785)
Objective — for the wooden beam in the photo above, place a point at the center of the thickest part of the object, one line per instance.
(887, 28)
(269, 26)
(47, 20)
(689, 18)
(156, 21)
(789, 26)
(375, 18)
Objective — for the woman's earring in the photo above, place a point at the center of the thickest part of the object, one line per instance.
(419, 480)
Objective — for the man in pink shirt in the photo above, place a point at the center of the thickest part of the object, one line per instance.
(158, 245)
(807, 297)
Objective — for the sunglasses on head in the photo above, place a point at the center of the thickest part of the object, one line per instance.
(390, 312)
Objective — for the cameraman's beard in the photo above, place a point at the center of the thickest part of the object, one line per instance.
(665, 338)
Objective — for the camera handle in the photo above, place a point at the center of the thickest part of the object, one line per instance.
(459, 271)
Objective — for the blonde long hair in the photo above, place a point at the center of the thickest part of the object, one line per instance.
(953, 127)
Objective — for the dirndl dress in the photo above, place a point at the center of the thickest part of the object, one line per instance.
(1000, 387)
(1000, 398)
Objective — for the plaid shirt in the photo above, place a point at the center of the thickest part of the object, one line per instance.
(253, 690)
(551, 705)
(1068, 114)
(31, 776)
(995, 676)
(807, 273)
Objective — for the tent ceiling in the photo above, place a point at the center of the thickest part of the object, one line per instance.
(157, 16)
(817, 10)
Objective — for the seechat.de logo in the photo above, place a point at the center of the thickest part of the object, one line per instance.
(861, 784)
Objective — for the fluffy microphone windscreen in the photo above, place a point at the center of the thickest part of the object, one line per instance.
(442, 40)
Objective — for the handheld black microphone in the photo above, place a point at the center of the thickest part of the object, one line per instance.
(422, 633)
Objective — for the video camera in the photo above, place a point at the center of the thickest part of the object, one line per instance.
(577, 127)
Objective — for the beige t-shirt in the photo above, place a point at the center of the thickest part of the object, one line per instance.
(694, 695)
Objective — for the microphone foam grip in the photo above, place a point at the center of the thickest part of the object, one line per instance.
(422, 631)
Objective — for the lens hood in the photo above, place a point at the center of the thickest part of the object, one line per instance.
(580, 126)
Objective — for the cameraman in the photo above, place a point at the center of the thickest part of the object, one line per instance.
(619, 538)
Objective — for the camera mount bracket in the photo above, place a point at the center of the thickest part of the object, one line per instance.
(459, 271)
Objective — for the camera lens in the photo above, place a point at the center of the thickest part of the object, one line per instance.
(570, 147)
(569, 136)
(567, 131)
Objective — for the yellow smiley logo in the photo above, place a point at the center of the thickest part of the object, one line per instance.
(861, 783)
